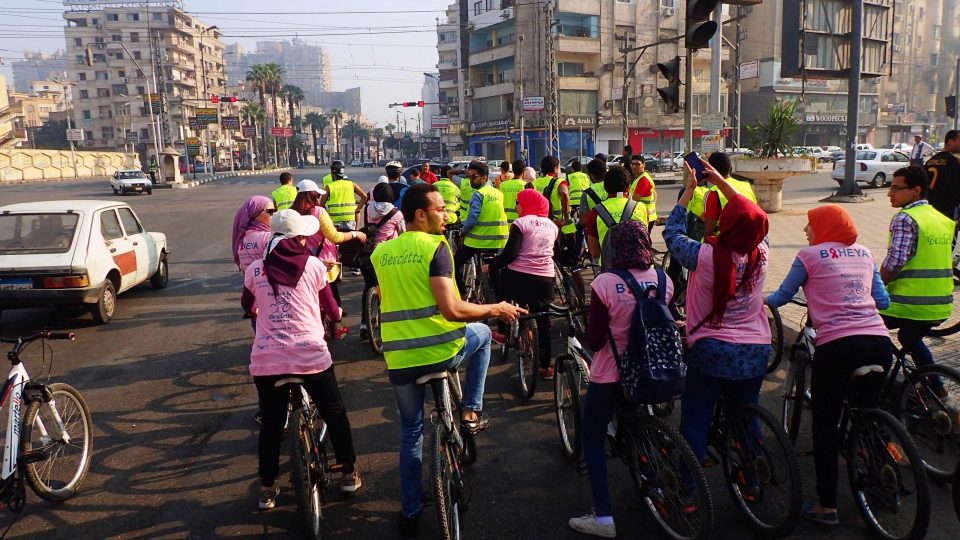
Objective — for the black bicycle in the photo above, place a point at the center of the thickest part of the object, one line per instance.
(524, 336)
(476, 283)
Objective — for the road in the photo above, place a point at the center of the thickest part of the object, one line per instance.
(172, 402)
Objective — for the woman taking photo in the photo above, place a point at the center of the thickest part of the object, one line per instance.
(844, 293)
(251, 230)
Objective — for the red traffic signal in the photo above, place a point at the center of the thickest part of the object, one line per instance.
(413, 103)
(223, 99)
(214, 99)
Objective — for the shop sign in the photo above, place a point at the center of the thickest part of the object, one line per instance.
(490, 124)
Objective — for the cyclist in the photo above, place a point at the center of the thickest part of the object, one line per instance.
(283, 196)
(643, 190)
(424, 332)
(485, 227)
(505, 174)
(611, 313)
(466, 195)
(251, 230)
(918, 268)
(843, 289)
(415, 178)
(518, 167)
(728, 334)
(282, 289)
(389, 222)
(602, 217)
(451, 194)
(510, 187)
(396, 181)
(595, 193)
(344, 198)
(714, 202)
(579, 182)
(524, 267)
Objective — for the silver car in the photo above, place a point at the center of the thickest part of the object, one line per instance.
(131, 181)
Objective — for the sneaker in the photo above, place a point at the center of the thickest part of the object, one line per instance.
(547, 373)
(951, 403)
(407, 526)
(824, 518)
(364, 332)
(588, 525)
(268, 497)
(476, 426)
(351, 481)
(498, 337)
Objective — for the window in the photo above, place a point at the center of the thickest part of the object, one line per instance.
(934, 59)
(118, 56)
(37, 233)
(116, 37)
(84, 94)
(119, 89)
(144, 132)
(99, 58)
(133, 16)
(106, 132)
(141, 90)
(122, 73)
(130, 222)
(110, 226)
(136, 55)
(103, 76)
(489, 5)
(95, 21)
(477, 8)
(570, 69)
(111, 17)
(88, 135)
(103, 92)
(77, 42)
(83, 76)
(158, 16)
(87, 116)
(578, 102)
(134, 37)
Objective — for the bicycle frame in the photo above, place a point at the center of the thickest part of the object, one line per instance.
(13, 389)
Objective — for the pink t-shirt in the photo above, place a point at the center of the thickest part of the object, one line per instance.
(838, 291)
(388, 230)
(536, 249)
(745, 319)
(315, 241)
(252, 246)
(289, 325)
(614, 293)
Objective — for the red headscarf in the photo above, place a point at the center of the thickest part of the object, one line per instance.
(743, 225)
(832, 223)
(533, 202)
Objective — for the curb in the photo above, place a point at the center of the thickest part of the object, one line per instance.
(186, 184)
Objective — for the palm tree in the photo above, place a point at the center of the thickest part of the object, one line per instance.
(273, 83)
(350, 133)
(337, 116)
(254, 116)
(258, 75)
(294, 95)
(313, 120)
(365, 141)
(378, 134)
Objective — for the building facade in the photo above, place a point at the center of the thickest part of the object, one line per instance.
(38, 66)
(304, 64)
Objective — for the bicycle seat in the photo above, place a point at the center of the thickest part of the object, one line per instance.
(431, 376)
(288, 380)
(866, 370)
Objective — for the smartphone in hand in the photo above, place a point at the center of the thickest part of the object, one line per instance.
(693, 159)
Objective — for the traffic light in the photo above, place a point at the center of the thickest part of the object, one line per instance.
(413, 103)
(670, 94)
(699, 28)
(223, 99)
(214, 99)
(951, 104)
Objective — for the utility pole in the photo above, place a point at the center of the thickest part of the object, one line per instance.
(153, 125)
(956, 95)
(849, 186)
(523, 148)
(736, 65)
(716, 50)
(553, 145)
(623, 96)
(688, 102)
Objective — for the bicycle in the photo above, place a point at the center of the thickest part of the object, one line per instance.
(52, 445)
(476, 284)
(524, 336)
(568, 284)
(371, 300)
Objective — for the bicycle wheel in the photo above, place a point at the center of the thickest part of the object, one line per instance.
(668, 478)
(470, 280)
(794, 389)
(956, 491)
(566, 395)
(69, 452)
(576, 300)
(528, 358)
(372, 301)
(559, 288)
(931, 419)
(887, 477)
(469, 452)
(761, 471)
(680, 301)
(445, 487)
(776, 340)
(952, 325)
(305, 472)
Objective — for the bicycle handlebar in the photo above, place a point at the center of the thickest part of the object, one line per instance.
(554, 311)
(42, 334)
(61, 335)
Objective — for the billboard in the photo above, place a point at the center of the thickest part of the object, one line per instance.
(74, 134)
(230, 122)
(276, 131)
(209, 115)
(249, 131)
(439, 121)
(193, 146)
(152, 101)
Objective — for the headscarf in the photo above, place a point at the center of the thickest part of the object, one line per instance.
(631, 246)
(533, 202)
(743, 225)
(529, 174)
(246, 219)
(284, 262)
(832, 223)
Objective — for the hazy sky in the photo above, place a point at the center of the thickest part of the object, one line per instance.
(387, 66)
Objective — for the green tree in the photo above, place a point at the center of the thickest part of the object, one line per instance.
(254, 115)
(774, 135)
(378, 134)
(337, 116)
(52, 135)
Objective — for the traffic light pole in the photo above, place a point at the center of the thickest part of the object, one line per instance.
(688, 100)
(849, 186)
(956, 94)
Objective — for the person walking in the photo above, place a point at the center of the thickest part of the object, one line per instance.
(920, 150)
(284, 195)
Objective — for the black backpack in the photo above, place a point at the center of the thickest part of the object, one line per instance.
(606, 248)
(371, 229)
(652, 369)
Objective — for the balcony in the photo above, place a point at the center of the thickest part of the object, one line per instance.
(493, 90)
(446, 84)
(578, 45)
(497, 53)
(447, 64)
(447, 46)
(579, 83)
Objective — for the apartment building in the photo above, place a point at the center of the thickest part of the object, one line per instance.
(304, 64)
(38, 66)
(119, 53)
(8, 135)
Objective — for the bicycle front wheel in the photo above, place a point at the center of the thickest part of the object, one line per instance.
(887, 477)
(445, 485)
(794, 391)
(927, 408)
(372, 301)
(69, 450)
(306, 471)
(761, 471)
(776, 341)
(566, 392)
(528, 359)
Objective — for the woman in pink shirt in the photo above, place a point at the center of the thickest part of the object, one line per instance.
(524, 267)
(382, 214)
(844, 295)
(251, 230)
(287, 292)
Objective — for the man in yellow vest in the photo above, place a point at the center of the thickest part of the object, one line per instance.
(643, 190)
(918, 268)
(595, 193)
(510, 187)
(423, 331)
(450, 193)
(558, 193)
(344, 199)
(611, 212)
(466, 195)
(715, 202)
(485, 227)
(284, 195)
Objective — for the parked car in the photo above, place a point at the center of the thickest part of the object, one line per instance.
(367, 163)
(356, 163)
(221, 167)
(899, 147)
(874, 167)
(76, 252)
(434, 168)
(814, 151)
(201, 167)
(131, 181)
(583, 162)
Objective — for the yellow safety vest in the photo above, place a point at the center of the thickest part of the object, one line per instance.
(451, 198)
(327, 179)
(466, 193)
(651, 201)
(342, 203)
(511, 188)
(588, 201)
(491, 229)
(611, 211)
(284, 196)
(578, 183)
(743, 188)
(698, 204)
(414, 331)
(540, 184)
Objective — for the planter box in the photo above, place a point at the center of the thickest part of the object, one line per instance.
(768, 175)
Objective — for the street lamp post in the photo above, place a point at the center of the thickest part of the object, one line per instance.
(206, 95)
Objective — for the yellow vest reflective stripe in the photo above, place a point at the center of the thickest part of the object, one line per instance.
(743, 188)
(611, 211)
(541, 184)
(923, 290)
(413, 329)
(451, 198)
(466, 193)
(491, 229)
(579, 182)
(651, 201)
(284, 196)
(510, 189)
(697, 205)
(342, 204)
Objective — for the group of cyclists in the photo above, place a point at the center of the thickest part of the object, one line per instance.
(526, 223)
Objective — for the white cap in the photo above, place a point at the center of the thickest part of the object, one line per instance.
(289, 223)
(310, 185)
(382, 179)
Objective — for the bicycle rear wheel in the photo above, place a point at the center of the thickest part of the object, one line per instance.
(761, 471)
(776, 341)
(470, 284)
(306, 472)
(528, 358)
(445, 485)
(372, 301)
(956, 491)
(566, 393)
(668, 479)
(69, 452)
(932, 420)
(952, 325)
(794, 391)
(576, 301)
(887, 477)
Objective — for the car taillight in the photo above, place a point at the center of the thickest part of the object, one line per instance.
(863, 167)
(66, 282)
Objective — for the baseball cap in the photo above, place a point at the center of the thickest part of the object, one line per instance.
(289, 223)
(310, 185)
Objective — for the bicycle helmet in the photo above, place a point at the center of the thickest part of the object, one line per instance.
(394, 165)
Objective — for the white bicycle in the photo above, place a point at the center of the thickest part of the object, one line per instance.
(49, 437)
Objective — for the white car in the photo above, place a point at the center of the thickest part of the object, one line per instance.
(76, 253)
(874, 167)
(131, 181)
(356, 163)
(900, 147)
(817, 152)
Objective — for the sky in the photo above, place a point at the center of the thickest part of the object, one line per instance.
(383, 51)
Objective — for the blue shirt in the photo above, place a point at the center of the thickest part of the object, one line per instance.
(476, 204)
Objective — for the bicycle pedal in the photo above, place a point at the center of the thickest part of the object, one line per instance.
(34, 456)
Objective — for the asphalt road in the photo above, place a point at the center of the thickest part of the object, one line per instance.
(172, 403)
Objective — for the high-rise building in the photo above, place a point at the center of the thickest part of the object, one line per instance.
(450, 85)
(304, 65)
(38, 66)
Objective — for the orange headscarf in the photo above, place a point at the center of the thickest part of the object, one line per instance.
(832, 223)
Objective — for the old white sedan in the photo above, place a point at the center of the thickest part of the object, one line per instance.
(76, 253)
(874, 166)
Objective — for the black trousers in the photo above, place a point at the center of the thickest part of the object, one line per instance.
(535, 292)
(830, 384)
(323, 390)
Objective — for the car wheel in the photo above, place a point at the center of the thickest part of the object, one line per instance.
(161, 276)
(105, 307)
(149, 192)
(878, 180)
(115, 191)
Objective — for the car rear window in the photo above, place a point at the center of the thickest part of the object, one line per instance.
(866, 156)
(37, 233)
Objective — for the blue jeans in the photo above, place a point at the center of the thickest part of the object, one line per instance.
(598, 409)
(410, 397)
(700, 395)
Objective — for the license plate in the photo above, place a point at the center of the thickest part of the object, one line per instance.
(139, 188)
(14, 284)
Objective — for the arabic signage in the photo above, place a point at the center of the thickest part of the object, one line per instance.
(194, 123)
(712, 121)
(276, 131)
(711, 143)
(439, 121)
(490, 124)
(230, 122)
(581, 120)
(133, 136)
(249, 131)
(193, 146)
(208, 116)
(288, 132)
(74, 134)
(533, 103)
(152, 101)
(750, 69)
